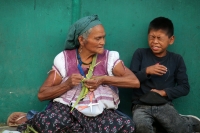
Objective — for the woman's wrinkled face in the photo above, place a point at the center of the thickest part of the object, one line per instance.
(96, 40)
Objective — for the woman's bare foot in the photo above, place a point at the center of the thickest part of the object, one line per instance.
(16, 118)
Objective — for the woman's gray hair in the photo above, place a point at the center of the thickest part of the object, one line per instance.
(86, 34)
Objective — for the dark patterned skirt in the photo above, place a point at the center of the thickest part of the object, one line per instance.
(58, 119)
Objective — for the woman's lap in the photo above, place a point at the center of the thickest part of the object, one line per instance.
(59, 119)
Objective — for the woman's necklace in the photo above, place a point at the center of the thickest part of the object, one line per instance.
(80, 61)
(86, 63)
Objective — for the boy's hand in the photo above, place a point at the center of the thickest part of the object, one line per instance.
(161, 92)
(156, 69)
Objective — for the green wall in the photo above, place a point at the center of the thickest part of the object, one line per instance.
(32, 33)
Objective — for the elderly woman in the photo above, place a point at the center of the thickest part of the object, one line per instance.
(83, 83)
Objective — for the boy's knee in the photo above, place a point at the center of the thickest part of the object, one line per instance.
(143, 127)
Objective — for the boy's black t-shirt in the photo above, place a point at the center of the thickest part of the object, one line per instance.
(174, 82)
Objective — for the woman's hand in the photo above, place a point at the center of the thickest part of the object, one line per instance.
(73, 80)
(52, 87)
(156, 69)
(93, 83)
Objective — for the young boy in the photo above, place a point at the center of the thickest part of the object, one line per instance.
(160, 72)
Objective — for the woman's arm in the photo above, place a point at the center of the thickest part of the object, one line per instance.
(123, 77)
(52, 87)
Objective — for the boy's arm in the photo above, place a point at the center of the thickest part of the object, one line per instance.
(182, 88)
(135, 66)
(144, 73)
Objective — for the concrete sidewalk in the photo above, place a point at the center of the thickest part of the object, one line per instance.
(2, 128)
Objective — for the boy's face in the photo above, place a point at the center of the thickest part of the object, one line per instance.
(159, 41)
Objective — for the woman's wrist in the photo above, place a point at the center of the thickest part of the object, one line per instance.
(104, 79)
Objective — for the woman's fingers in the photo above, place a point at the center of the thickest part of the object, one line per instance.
(91, 84)
(75, 79)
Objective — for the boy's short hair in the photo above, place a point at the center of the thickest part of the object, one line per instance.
(162, 23)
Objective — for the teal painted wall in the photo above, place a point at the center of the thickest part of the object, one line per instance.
(32, 32)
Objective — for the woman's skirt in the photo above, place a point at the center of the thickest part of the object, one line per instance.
(59, 119)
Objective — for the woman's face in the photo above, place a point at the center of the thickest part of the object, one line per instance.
(96, 40)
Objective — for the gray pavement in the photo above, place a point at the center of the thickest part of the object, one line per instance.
(2, 128)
